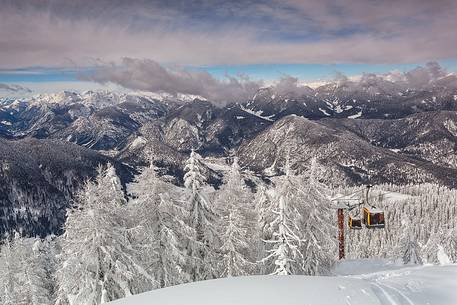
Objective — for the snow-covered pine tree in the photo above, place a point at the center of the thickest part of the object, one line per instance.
(263, 207)
(264, 217)
(234, 202)
(162, 233)
(39, 283)
(24, 280)
(97, 260)
(113, 183)
(285, 252)
(303, 230)
(316, 222)
(408, 249)
(10, 271)
(47, 253)
(234, 249)
(450, 244)
(285, 244)
(173, 234)
(202, 218)
(430, 250)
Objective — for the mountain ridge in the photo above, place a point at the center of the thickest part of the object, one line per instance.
(395, 139)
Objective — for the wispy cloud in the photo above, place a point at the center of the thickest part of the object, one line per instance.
(14, 88)
(198, 32)
(148, 75)
(289, 85)
(422, 77)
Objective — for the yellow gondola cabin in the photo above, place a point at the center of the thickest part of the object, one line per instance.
(373, 218)
(355, 223)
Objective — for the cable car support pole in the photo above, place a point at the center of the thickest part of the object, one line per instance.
(340, 206)
(340, 212)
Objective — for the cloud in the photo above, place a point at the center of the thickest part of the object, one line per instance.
(14, 88)
(290, 86)
(148, 75)
(203, 32)
(419, 78)
(423, 76)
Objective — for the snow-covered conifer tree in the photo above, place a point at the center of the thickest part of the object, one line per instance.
(236, 227)
(263, 207)
(234, 247)
(450, 244)
(264, 217)
(317, 223)
(286, 238)
(112, 185)
(286, 241)
(202, 218)
(97, 261)
(304, 232)
(39, 282)
(162, 233)
(408, 249)
(10, 272)
(48, 253)
(434, 243)
(24, 280)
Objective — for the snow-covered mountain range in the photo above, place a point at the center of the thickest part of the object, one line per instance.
(366, 131)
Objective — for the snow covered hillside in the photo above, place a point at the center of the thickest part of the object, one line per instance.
(394, 285)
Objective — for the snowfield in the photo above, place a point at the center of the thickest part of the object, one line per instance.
(394, 285)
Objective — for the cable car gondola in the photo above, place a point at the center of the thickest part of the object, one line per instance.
(355, 223)
(354, 220)
(372, 217)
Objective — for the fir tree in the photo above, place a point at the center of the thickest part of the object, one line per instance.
(317, 223)
(97, 262)
(303, 230)
(286, 238)
(264, 216)
(11, 273)
(408, 249)
(162, 232)
(24, 280)
(233, 202)
(202, 219)
(450, 244)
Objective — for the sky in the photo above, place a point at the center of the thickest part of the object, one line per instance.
(51, 45)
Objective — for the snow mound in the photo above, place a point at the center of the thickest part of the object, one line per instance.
(357, 267)
(386, 284)
(261, 290)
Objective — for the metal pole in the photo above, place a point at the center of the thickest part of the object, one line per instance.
(341, 233)
(366, 196)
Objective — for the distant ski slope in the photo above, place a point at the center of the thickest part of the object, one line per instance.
(393, 285)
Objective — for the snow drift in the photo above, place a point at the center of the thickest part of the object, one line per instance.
(421, 285)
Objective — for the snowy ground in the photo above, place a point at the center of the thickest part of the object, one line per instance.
(393, 285)
(398, 285)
